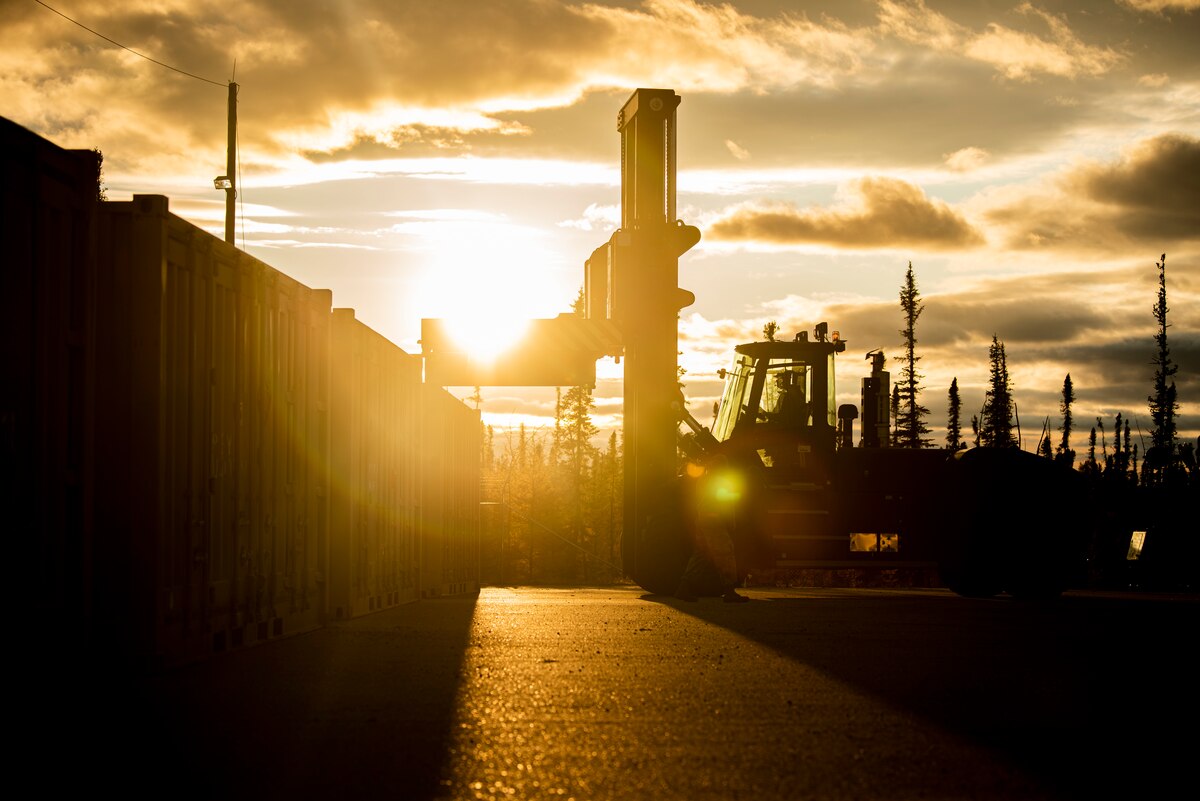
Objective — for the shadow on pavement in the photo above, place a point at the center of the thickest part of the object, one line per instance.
(1094, 695)
(361, 708)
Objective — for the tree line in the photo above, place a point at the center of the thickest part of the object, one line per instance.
(1166, 460)
(552, 500)
(1139, 507)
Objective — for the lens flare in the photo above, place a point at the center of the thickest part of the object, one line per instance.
(725, 486)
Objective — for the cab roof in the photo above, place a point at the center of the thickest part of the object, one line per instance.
(800, 350)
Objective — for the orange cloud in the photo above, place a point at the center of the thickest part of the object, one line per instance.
(1160, 6)
(418, 77)
(1018, 54)
(886, 213)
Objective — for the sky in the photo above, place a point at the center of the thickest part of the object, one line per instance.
(1033, 161)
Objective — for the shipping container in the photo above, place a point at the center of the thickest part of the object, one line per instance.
(375, 418)
(199, 453)
(47, 201)
(450, 495)
(213, 439)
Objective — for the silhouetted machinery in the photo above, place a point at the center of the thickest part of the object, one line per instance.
(780, 467)
(779, 462)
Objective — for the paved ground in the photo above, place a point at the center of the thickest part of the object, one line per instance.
(612, 694)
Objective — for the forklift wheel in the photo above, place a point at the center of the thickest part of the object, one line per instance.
(656, 559)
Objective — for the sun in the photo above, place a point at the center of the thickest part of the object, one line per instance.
(487, 279)
(486, 338)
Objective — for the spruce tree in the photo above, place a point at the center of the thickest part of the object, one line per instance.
(578, 467)
(520, 501)
(556, 443)
(574, 459)
(607, 483)
(1091, 457)
(895, 412)
(1065, 454)
(910, 422)
(954, 418)
(1119, 460)
(997, 425)
(101, 189)
(1163, 404)
(1128, 459)
(769, 331)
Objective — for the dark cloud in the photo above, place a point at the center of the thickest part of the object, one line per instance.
(1150, 197)
(1155, 188)
(890, 213)
(1050, 310)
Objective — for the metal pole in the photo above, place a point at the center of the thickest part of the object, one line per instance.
(231, 163)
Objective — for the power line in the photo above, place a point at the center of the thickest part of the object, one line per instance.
(123, 47)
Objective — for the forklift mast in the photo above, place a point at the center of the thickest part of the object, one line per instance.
(633, 282)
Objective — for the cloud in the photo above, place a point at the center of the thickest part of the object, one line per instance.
(881, 213)
(719, 48)
(596, 217)
(740, 153)
(914, 22)
(1161, 174)
(1160, 6)
(319, 77)
(1154, 81)
(379, 78)
(1018, 54)
(966, 159)
(1146, 198)
(366, 136)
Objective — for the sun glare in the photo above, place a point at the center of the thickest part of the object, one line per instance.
(487, 281)
(486, 337)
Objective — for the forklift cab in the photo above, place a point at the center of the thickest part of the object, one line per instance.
(779, 398)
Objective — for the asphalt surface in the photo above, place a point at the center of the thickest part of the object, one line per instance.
(610, 693)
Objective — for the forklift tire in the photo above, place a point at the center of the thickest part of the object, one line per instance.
(657, 556)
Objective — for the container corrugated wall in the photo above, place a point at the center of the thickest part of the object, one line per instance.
(47, 197)
(214, 436)
(374, 470)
